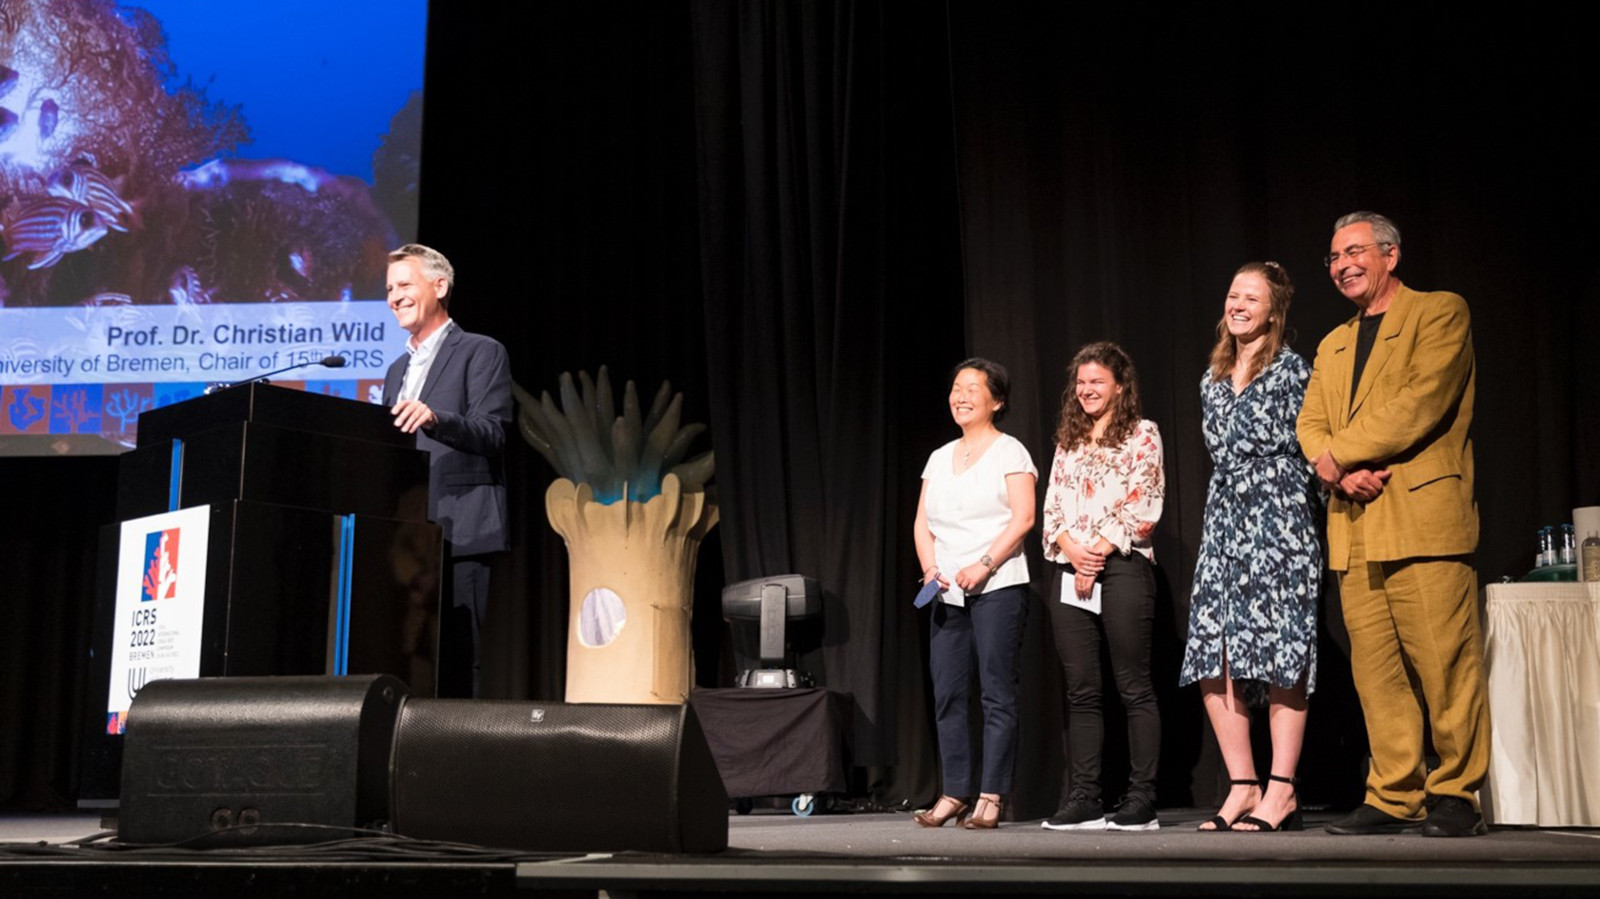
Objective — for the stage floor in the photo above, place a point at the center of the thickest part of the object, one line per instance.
(776, 853)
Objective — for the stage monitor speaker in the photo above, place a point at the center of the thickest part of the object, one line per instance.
(557, 777)
(232, 758)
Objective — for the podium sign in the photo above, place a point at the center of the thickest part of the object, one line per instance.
(265, 532)
(160, 605)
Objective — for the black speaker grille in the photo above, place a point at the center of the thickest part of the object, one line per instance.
(556, 777)
(242, 755)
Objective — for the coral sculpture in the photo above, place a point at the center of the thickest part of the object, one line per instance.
(633, 515)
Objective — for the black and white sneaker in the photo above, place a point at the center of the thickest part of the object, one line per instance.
(1134, 813)
(1080, 813)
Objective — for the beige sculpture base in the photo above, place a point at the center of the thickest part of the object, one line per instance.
(644, 555)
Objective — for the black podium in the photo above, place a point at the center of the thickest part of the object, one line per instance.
(319, 555)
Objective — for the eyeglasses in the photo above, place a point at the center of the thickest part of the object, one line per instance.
(1351, 252)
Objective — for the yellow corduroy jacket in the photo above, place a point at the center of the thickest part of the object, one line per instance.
(1410, 415)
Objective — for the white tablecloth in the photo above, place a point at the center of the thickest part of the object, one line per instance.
(1542, 643)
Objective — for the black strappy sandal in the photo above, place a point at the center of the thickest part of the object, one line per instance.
(1291, 821)
(1220, 824)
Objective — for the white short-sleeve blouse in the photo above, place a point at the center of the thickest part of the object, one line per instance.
(967, 511)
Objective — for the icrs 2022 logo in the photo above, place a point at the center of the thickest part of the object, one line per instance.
(160, 565)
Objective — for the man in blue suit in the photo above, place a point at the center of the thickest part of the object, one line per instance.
(453, 390)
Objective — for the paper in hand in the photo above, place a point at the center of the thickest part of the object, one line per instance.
(1070, 597)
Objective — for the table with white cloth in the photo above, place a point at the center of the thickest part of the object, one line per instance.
(1542, 647)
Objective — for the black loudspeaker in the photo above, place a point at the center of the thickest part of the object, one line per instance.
(242, 754)
(553, 777)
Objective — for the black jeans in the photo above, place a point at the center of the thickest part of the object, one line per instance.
(1127, 614)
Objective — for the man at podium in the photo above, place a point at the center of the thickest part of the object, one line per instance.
(453, 390)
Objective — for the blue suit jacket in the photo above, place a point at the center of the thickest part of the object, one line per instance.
(469, 389)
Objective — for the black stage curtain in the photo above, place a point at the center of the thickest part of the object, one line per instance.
(48, 539)
(802, 213)
(832, 309)
(559, 178)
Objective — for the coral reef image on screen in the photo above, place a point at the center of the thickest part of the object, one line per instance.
(194, 193)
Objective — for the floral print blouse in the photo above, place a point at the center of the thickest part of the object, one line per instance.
(1113, 492)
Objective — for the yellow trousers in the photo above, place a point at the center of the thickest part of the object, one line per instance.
(1416, 642)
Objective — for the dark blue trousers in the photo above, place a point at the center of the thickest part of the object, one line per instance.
(461, 628)
(988, 632)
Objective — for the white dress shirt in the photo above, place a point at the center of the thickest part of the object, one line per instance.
(422, 357)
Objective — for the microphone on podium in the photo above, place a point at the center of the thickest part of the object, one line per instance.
(326, 361)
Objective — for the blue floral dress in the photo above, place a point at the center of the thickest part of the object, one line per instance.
(1259, 574)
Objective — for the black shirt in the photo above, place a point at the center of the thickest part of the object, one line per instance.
(1365, 338)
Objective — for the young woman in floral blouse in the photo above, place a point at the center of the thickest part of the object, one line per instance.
(1105, 495)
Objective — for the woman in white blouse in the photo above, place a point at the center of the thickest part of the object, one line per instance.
(1103, 501)
(975, 509)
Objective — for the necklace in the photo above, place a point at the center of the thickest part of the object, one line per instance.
(967, 450)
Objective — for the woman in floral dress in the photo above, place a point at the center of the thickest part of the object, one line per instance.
(1253, 617)
(1105, 495)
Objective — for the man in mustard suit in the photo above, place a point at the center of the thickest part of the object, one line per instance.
(1385, 423)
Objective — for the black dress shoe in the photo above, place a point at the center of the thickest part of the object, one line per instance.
(1367, 820)
(1452, 816)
